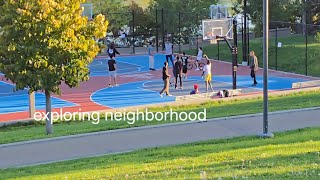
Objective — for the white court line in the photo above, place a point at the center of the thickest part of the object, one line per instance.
(38, 109)
(96, 64)
(144, 84)
(35, 92)
(117, 70)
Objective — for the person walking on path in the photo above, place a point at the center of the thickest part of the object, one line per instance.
(178, 73)
(165, 78)
(254, 67)
(169, 51)
(151, 56)
(207, 74)
(112, 71)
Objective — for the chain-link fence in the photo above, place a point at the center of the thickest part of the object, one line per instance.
(181, 28)
(294, 47)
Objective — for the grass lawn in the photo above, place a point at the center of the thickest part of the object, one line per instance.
(291, 56)
(290, 155)
(35, 130)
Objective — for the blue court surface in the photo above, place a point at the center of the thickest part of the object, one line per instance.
(274, 83)
(147, 92)
(18, 101)
(134, 93)
(130, 94)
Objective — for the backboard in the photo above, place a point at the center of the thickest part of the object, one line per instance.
(216, 27)
(87, 10)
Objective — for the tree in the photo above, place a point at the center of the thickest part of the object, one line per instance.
(286, 11)
(118, 14)
(144, 23)
(45, 43)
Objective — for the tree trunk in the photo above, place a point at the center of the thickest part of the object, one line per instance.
(32, 104)
(48, 112)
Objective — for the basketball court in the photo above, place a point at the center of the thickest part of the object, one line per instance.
(138, 86)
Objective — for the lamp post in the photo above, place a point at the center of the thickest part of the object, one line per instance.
(266, 133)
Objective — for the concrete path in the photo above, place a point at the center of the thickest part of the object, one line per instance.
(117, 141)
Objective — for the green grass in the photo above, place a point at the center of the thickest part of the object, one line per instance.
(215, 109)
(291, 56)
(290, 155)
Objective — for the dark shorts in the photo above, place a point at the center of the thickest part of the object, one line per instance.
(185, 69)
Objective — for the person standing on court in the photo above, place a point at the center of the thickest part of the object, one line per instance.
(199, 58)
(178, 73)
(112, 51)
(169, 51)
(254, 67)
(165, 78)
(207, 74)
(151, 56)
(112, 71)
(185, 61)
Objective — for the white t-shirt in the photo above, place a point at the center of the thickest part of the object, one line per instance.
(168, 47)
(110, 51)
(207, 69)
(199, 56)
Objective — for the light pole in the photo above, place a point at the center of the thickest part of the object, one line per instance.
(266, 133)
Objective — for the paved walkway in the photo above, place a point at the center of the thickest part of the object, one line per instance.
(95, 144)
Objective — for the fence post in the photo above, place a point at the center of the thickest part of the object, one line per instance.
(179, 32)
(306, 53)
(157, 31)
(133, 33)
(245, 57)
(197, 24)
(248, 36)
(276, 51)
(162, 26)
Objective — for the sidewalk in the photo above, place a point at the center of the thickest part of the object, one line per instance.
(125, 140)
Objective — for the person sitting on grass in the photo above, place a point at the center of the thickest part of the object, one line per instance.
(207, 74)
(195, 89)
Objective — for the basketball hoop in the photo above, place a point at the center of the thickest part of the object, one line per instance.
(213, 28)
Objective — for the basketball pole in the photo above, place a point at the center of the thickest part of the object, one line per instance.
(235, 54)
(157, 31)
(245, 56)
(266, 133)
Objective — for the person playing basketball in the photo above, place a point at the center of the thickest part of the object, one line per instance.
(151, 56)
(199, 58)
(165, 78)
(185, 61)
(112, 51)
(178, 73)
(112, 71)
(207, 74)
(169, 51)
